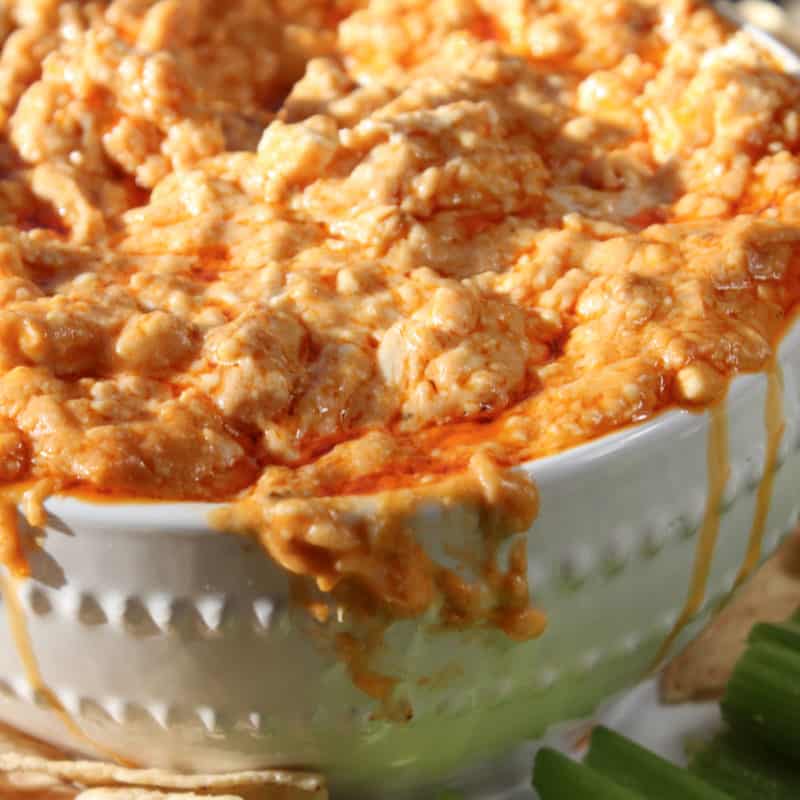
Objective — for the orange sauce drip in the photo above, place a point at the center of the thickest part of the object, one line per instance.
(13, 558)
(357, 653)
(515, 615)
(22, 642)
(12, 554)
(775, 425)
(300, 595)
(718, 471)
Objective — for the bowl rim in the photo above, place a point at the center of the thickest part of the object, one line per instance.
(151, 516)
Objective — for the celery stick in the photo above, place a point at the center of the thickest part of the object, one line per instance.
(763, 697)
(786, 634)
(746, 769)
(556, 777)
(644, 772)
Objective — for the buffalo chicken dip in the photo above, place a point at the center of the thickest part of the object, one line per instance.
(326, 261)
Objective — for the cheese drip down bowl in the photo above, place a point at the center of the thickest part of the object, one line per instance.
(144, 634)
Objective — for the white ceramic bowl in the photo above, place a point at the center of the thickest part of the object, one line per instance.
(176, 646)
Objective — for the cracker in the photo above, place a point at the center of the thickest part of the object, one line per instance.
(13, 741)
(145, 794)
(97, 773)
(33, 770)
(30, 785)
(34, 787)
(132, 793)
(701, 671)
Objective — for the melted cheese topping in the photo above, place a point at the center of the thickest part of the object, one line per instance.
(289, 253)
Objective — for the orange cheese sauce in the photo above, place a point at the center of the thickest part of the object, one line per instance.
(12, 554)
(774, 424)
(718, 473)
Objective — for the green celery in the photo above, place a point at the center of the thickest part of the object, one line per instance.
(644, 772)
(763, 697)
(786, 634)
(746, 769)
(556, 777)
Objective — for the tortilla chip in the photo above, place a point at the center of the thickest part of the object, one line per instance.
(702, 670)
(33, 770)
